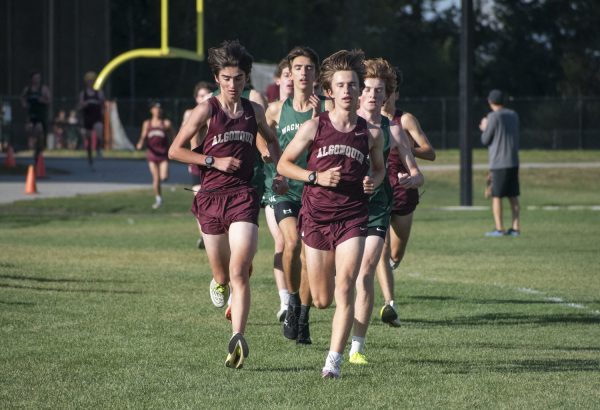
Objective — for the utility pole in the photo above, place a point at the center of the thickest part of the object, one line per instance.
(465, 82)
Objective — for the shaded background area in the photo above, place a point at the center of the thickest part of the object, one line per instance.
(545, 55)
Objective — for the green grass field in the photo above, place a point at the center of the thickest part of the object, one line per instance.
(104, 303)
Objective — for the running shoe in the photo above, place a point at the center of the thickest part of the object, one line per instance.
(394, 264)
(281, 314)
(395, 323)
(290, 324)
(388, 314)
(329, 374)
(156, 205)
(238, 351)
(303, 333)
(496, 233)
(513, 232)
(228, 313)
(218, 293)
(358, 358)
(200, 243)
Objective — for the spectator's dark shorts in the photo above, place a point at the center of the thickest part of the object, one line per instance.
(505, 182)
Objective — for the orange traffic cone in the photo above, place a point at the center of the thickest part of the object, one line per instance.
(30, 187)
(40, 167)
(9, 161)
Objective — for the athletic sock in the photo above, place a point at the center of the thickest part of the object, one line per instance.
(358, 345)
(284, 298)
(294, 299)
(158, 199)
(391, 303)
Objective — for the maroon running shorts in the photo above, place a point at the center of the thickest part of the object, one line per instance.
(217, 210)
(327, 236)
(405, 200)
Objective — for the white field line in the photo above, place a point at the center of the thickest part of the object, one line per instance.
(557, 300)
(458, 208)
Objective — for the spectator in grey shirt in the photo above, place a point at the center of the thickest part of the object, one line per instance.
(500, 133)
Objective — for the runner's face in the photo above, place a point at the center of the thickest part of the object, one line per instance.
(303, 73)
(373, 95)
(345, 90)
(231, 80)
(286, 84)
(202, 95)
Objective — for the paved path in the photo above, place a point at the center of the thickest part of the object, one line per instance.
(76, 177)
(73, 176)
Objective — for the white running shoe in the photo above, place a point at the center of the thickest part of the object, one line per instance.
(281, 313)
(218, 293)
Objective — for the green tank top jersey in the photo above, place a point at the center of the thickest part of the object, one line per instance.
(383, 195)
(258, 179)
(289, 122)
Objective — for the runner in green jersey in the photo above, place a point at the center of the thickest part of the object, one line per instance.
(286, 117)
(283, 78)
(380, 80)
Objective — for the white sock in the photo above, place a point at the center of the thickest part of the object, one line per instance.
(158, 199)
(229, 300)
(391, 303)
(284, 297)
(333, 361)
(358, 345)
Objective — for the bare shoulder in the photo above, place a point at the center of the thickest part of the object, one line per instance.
(409, 121)
(309, 128)
(257, 98)
(274, 110)
(168, 123)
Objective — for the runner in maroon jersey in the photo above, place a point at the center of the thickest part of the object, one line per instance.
(91, 104)
(227, 205)
(333, 217)
(404, 203)
(156, 132)
(380, 81)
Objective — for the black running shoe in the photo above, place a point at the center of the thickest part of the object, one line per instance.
(290, 324)
(303, 334)
(388, 314)
(303, 328)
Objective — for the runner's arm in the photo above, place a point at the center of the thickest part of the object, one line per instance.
(400, 141)
(424, 149)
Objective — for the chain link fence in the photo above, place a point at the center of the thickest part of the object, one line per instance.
(546, 123)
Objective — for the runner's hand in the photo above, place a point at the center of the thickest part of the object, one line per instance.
(315, 103)
(227, 164)
(405, 180)
(279, 185)
(368, 185)
(329, 178)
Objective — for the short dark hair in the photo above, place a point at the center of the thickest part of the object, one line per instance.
(229, 54)
(496, 97)
(204, 84)
(283, 64)
(303, 51)
(343, 60)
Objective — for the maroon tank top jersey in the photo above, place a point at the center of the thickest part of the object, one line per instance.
(92, 111)
(405, 200)
(157, 142)
(228, 137)
(332, 148)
